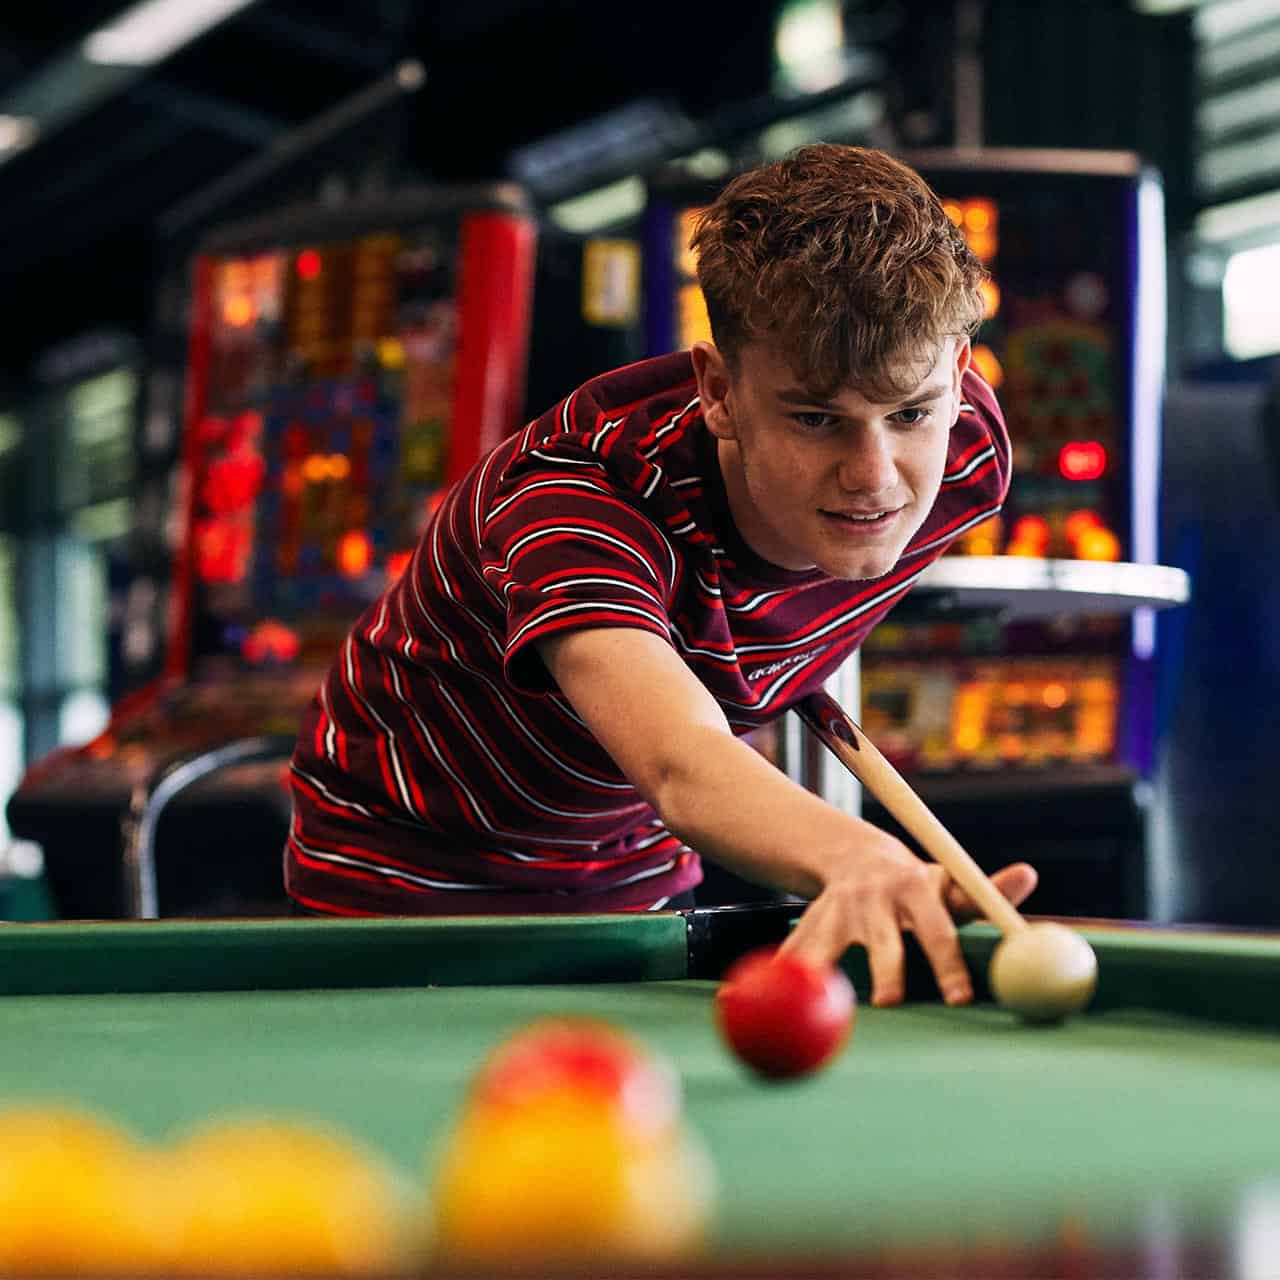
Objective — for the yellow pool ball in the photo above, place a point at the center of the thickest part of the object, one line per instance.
(566, 1178)
(77, 1194)
(275, 1196)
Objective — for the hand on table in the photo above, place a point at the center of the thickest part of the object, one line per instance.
(884, 891)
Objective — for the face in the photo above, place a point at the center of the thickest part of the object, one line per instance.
(840, 484)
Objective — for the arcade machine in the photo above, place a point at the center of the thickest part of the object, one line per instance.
(341, 368)
(1030, 736)
(587, 304)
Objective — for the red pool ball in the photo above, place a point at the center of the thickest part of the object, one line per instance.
(782, 1015)
(585, 1057)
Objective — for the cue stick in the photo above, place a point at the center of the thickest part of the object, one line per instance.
(836, 730)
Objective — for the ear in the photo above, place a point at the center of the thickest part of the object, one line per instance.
(714, 386)
(963, 358)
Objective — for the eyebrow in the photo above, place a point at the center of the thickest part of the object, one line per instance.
(798, 395)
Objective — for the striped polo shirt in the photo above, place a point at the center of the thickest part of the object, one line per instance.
(439, 770)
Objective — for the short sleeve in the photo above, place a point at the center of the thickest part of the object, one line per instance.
(564, 550)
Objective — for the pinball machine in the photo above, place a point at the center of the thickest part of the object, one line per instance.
(329, 373)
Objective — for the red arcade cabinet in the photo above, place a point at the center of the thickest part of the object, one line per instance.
(342, 367)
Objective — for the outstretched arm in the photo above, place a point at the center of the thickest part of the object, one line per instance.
(722, 798)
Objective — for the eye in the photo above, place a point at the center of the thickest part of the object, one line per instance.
(914, 416)
(814, 421)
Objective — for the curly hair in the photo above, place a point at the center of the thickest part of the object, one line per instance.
(842, 258)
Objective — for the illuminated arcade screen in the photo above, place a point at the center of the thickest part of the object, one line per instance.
(1053, 345)
(323, 441)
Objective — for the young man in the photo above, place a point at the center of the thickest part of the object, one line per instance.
(544, 713)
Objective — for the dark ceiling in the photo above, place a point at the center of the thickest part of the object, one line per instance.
(80, 211)
(88, 213)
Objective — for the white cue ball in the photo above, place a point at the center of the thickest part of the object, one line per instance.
(1043, 972)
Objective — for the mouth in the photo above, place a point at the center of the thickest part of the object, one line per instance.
(861, 519)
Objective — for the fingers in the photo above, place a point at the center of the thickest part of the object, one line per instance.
(922, 899)
(821, 935)
(885, 955)
(936, 932)
(1016, 882)
(832, 922)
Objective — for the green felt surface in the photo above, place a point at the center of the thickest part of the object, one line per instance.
(936, 1124)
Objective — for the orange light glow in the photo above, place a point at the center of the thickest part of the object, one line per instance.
(315, 468)
(339, 466)
(979, 215)
(1097, 689)
(1054, 695)
(1079, 523)
(953, 211)
(308, 264)
(983, 539)
(1098, 544)
(1082, 460)
(355, 553)
(1030, 537)
(691, 315)
(990, 298)
(988, 364)
(1016, 694)
(238, 311)
(983, 244)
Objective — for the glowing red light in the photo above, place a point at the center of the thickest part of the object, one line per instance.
(397, 563)
(270, 641)
(308, 264)
(1082, 460)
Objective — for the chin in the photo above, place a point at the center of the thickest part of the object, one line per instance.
(861, 563)
(863, 569)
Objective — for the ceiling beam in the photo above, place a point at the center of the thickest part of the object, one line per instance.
(309, 37)
(70, 85)
(214, 115)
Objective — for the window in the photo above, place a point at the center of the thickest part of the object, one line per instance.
(1250, 317)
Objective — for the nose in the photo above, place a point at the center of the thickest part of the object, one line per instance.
(867, 465)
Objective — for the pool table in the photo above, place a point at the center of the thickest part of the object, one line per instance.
(1140, 1139)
